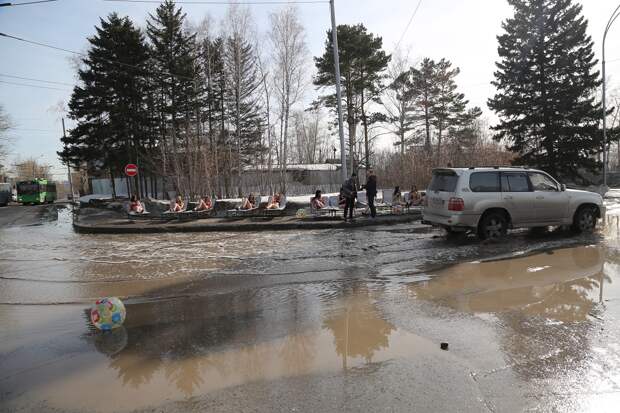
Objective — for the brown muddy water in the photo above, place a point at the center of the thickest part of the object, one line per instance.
(210, 314)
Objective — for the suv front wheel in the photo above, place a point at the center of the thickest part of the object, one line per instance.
(493, 225)
(585, 219)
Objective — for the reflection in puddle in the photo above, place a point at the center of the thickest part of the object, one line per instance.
(173, 351)
(563, 284)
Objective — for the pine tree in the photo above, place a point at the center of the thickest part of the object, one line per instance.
(449, 110)
(109, 105)
(362, 67)
(424, 88)
(546, 88)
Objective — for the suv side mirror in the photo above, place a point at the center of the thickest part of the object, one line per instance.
(563, 187)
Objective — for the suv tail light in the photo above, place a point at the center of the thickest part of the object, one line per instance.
(456, 204)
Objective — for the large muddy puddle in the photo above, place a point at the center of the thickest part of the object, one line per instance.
(210, 312)
(562, 284)
(175, 350)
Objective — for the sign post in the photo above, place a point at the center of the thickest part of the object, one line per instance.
(131, 170)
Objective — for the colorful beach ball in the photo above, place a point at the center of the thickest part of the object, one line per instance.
(108, 313)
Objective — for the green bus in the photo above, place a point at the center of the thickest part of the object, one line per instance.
(37, 191)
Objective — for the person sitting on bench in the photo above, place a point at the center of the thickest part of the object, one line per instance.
(415, 198)
(205, 204)
(135, 206)
(397, 196)
(275, 201)
(317, 201)
(177, 205)
(249, 202)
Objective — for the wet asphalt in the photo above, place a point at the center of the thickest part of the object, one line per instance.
(331, 320)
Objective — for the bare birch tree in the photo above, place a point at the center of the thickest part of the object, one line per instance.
(5, 125)
(398, 101)
(243, 84)
(263, 70)
(290, 58)
(311, 139)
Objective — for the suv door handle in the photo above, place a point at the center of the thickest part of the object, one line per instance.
(540, 197)
(507, 197)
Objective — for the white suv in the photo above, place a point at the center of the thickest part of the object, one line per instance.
(491, 200)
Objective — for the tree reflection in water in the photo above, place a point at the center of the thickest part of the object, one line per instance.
(357, 327)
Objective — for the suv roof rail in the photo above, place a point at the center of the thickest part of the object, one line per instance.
(500, 166)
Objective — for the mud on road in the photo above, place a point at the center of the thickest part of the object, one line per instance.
(24, 215)
(335, 320)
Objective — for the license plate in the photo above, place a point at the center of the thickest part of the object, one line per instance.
(437, 202)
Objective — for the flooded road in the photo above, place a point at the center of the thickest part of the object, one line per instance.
(334, 320)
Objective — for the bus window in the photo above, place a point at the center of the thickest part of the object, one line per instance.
(27, 188)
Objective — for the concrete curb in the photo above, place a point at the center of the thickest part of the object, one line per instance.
(238, 225)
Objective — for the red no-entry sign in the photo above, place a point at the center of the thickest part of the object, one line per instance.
(131, 169)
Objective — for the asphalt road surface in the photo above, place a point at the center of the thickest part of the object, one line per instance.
(18, 215)
(347, 320)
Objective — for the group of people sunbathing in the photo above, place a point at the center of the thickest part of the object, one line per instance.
(251, 202)
(275, 202)
(415, 197)
(205, 204)
(318, 201)
(177, 204)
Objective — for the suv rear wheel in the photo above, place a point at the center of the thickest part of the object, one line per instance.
(585, 219)
(492, 226)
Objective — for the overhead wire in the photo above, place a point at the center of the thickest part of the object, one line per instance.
(242, 2)
(26, 3)
(36, 80)
(62, 49)
(33, 86)
(402, 36)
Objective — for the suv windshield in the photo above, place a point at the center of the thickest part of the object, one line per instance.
(443, 181)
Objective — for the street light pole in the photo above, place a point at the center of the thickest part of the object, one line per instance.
(343, 157)
(612, 19)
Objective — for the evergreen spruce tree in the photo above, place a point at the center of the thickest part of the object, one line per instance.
(173, 59)
(215, 86)
(109, 105)
(546, 88)
(242, 100)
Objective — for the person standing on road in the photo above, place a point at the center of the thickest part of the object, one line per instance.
(371, 191)
(349, 193)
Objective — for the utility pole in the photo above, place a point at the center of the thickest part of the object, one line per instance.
(64, 134)
(343, 157)
(613, 18)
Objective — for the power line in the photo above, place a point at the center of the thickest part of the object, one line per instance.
(26, 3)
(402, 36)
(33, 130)
(49, 46)
(248, 2)
(36, 80)
(34, 86)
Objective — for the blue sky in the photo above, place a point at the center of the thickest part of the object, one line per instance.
(461, 30)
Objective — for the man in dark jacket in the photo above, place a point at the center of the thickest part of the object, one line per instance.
(349, 192)
(371, 191)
